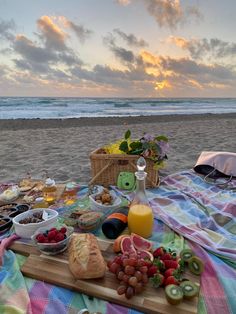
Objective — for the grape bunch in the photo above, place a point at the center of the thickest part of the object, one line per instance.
(131, 271)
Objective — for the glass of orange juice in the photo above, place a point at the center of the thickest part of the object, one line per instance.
(140, 220)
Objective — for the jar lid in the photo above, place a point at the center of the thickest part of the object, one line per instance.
(50, 182)
(39, 199)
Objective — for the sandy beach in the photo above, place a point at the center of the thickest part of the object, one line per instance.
(63, 146)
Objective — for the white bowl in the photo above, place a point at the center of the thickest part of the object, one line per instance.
(27, 230)
(106, 209)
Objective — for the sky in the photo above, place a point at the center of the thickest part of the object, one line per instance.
(118, 48)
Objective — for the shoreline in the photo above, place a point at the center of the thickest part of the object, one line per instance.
(37, 123)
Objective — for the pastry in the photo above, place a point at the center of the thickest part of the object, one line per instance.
(85, 258)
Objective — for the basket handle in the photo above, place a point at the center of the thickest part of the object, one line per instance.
(100, 172)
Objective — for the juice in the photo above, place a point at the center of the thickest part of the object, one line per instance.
(140, 220)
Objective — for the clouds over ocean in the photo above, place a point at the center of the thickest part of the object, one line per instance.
(50, 57)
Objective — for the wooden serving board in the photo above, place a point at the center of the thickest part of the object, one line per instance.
(55, 270)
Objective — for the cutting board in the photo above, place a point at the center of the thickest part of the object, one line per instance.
(55, 270)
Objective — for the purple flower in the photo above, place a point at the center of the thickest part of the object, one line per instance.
(164, 148)
(148, 137)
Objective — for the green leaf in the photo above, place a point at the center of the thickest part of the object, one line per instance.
(127, 134)
(135, 145)
(135, 152)
(161, 138)
(124, 147)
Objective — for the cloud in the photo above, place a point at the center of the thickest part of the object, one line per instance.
(168, 13)
(124, 55)
(80, 31)
(123, 2)
(50, 52)
(202, 48)
(53, 37)
(6, 28)
(131, 39)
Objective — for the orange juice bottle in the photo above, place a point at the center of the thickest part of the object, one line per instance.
(140, 216)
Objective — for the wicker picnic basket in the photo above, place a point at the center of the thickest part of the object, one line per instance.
(105, 168)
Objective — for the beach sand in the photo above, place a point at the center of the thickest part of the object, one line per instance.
(63, 146)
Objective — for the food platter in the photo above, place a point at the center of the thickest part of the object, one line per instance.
(55, 270)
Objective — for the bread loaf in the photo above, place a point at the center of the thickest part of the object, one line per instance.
(85, 258)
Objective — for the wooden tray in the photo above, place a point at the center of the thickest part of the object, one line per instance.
(54, 270)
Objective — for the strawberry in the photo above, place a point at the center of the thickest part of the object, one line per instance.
(158, 280)
(166, 256)
(172, 272)
(171, 280)
(160, 264)
(171, 264)
(159, 251)
(152, 270)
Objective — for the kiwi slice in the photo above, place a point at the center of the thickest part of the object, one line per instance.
(195, 265)
(174, 294)
(186, 254)
(190, 290)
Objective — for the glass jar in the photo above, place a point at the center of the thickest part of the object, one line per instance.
(70, 194)
(40, 203)
(140, 216)
(50, 191)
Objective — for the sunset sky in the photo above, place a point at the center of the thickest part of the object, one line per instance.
(125, 48)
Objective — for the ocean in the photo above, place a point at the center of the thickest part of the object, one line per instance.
(62, 108)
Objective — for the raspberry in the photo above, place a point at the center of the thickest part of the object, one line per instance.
(38, 236)
(53, 241)
(59, 237)
(41, 238)
(52, 229)
(52, 234)
(63, 230)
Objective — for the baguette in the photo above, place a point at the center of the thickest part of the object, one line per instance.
(85, 258)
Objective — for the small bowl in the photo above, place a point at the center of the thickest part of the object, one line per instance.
(52, 248)
(27, 230)
(106, 209)
(23, 208)
(5, 223)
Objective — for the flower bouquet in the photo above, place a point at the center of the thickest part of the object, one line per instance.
(151, 147)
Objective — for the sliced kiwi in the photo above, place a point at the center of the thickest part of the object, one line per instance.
(174, 294)
(195, 265)
(190, 290)
(186, 254)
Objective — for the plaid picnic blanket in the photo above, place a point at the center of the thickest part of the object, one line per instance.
(188, 213)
